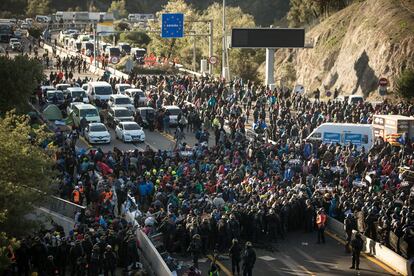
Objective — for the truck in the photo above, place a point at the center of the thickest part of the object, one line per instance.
(360, 135)
(392, 127)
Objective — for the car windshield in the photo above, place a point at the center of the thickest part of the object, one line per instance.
(356, 100)
(124, 87)
(123, 113)
(103, 90)
(88, 113)
(126, 48)
(62, 87)
(98, 128)
(131, 127)
(144, 112)
(123, 101)
(114, 52)
(76, 94)
(59, 96)
(89, 46)
(141, 94)
(174, 111)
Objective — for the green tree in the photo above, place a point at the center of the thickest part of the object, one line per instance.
(405, 84)
(19, 78)
(136, 38)
(26, 168)
(35, 7)
(243, 62)
(172, 48)
(118, 8)
(35, 32)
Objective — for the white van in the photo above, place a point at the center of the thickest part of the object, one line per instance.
(355, 99)
(77, 92)
(358, 134)
(99, 90)
(88, 111)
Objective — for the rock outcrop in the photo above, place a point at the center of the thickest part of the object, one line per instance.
(355, 47)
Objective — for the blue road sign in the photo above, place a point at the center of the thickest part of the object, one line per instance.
(172, 25)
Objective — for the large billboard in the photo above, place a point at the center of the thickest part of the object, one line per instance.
(267, 38)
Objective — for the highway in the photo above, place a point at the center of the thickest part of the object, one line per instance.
(298, 254)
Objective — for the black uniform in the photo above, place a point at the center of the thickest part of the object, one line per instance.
(249, 259)
(357, 244)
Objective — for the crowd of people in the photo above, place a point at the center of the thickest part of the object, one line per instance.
(211, 197)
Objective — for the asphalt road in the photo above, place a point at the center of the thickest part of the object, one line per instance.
(299, 254)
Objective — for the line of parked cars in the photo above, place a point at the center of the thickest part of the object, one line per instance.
(119, 113)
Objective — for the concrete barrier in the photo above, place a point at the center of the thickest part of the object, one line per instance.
(62, 206)
(373, 248)
(151, 254)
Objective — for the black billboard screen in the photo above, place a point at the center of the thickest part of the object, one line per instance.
(268, 38)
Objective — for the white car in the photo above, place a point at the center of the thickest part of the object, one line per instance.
(97, 133)
(25, 26)
(132, 92)
(77, 92)
(63, 87)
(174, 112)
(12, 40)
(121, 101)
(129, 132)
(121, 87)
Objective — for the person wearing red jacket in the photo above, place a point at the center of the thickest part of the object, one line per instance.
(321, 219)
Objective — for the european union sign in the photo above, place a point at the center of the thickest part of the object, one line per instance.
(172, 25)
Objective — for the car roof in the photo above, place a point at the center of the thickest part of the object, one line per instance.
(122, 84)
(99, 83)
(85, 106)
(96, 124)
(119, 108)
(117, 96)
(128, 123)
(146, 108)
(75, 88)
(134, 89)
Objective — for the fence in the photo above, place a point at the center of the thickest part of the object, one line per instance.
(379, 251)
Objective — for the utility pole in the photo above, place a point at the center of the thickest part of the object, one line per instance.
(210, 46)
(194, 54)
(223, 57)
(95, 47)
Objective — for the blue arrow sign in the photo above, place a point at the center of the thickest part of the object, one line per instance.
(172, 25)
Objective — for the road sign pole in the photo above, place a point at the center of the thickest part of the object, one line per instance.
(210, 47)
(270, 63)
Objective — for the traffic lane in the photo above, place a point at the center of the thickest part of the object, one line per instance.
(299, 254)
(153, 139)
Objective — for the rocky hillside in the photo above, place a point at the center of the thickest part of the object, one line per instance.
(355, 47)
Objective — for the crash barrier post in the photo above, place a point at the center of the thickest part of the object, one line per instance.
(150, 253)
(373, 248)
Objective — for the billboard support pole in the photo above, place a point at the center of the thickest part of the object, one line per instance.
(270, 64)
